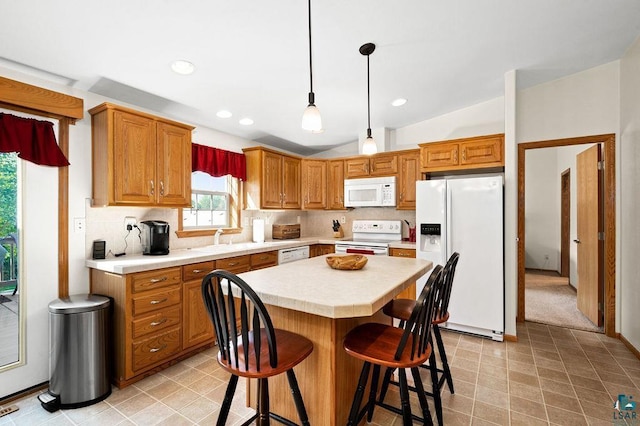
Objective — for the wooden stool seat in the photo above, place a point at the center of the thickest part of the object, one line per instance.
(371, 342)
(292, 350)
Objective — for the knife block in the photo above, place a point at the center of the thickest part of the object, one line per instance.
(339, 233)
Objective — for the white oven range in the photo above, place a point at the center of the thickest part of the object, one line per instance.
(371, 237)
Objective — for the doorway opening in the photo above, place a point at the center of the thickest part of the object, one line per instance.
(605, 239)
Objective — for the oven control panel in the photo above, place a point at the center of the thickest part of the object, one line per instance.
(377, 226)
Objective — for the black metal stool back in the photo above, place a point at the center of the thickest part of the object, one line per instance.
(442, 299)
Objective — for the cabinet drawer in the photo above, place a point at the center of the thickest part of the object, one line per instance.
(401, 252)
(157, 348)
(197, 271)
(156, 300)
(237, 264)
(143, 281)
(155, 322)
(263, 260)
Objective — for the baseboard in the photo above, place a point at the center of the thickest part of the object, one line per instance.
(23, 393)
(629, 346)
(510, 338)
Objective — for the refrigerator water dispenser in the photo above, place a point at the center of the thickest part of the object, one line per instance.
(430, 234)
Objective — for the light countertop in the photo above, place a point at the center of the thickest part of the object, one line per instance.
(139, 263)
(311, 286)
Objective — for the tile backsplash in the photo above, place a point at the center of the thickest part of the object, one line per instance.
(107, 223)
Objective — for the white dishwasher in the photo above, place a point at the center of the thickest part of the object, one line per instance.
(292, 254)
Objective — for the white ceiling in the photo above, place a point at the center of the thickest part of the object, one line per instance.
(251, 56)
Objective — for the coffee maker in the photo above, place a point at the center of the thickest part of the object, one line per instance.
(155, 237)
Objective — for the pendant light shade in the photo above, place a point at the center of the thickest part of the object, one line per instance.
(311, 120)
(369, 146)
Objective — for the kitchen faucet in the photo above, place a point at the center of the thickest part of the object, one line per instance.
(216, 236)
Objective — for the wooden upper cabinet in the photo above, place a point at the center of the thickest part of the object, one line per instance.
(385, 164)
(335, 184)
(459, 154)
(273, 180)
(173, 164)
(139, 159)
(409, 173)
(314, 184)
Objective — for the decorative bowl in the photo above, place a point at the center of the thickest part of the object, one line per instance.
(347, 262)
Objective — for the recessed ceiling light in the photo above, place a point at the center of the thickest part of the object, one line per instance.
(246, 121)
(399, 102)
(182, 67)
(224, 114)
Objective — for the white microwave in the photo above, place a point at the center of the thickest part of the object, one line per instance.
(370, 192)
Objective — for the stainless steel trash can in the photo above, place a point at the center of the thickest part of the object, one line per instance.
(79, 352)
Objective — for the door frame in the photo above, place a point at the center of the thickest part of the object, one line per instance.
(565, 224)
(609, 213)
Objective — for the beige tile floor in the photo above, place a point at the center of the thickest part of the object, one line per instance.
(550, 376)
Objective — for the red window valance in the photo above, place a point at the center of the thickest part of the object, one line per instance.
(32, 139)
(218, 162)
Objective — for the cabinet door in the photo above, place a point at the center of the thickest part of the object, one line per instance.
(484, 152)
(383, 165)
(291, 191)
(134, 151)
(196, 324)
(356, 167)
(271, 190)
(335, 184)
(314, 184)
(409, 174)
(409, 292)
(439, 156)
(173, 165)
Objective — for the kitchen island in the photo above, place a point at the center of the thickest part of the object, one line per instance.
(323, 304)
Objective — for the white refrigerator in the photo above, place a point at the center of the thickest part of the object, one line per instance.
(465, 215)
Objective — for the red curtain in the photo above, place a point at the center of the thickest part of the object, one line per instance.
(32, 139)
(218, 162)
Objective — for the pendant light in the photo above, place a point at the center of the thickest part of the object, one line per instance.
(369, 146)
(311, 119)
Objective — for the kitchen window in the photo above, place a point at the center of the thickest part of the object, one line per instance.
(214, 205)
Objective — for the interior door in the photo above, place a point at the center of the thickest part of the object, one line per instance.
(589, 247)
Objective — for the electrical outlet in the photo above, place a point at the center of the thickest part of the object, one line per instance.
(78, 224)
(343, 219)
(546, 257)
(129, 221)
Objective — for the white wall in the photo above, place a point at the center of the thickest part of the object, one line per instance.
(542, 210)
(629, 225)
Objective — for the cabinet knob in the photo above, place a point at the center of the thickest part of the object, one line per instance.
(153, 188)
(455, 155)
(157, 280)
(161, 187)
(157, 302)
(197, 271)
(464, 154)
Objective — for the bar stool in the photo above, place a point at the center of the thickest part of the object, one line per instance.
(253, 348)
(401, 309)
(374, 343)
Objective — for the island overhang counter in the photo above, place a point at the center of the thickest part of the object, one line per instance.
(324, 304)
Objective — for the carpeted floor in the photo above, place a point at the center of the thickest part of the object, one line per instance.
(549, 299)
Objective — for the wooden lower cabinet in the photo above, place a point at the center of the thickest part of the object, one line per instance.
(196, 324)
(321, 249)
(159, 317)
(409, 292)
